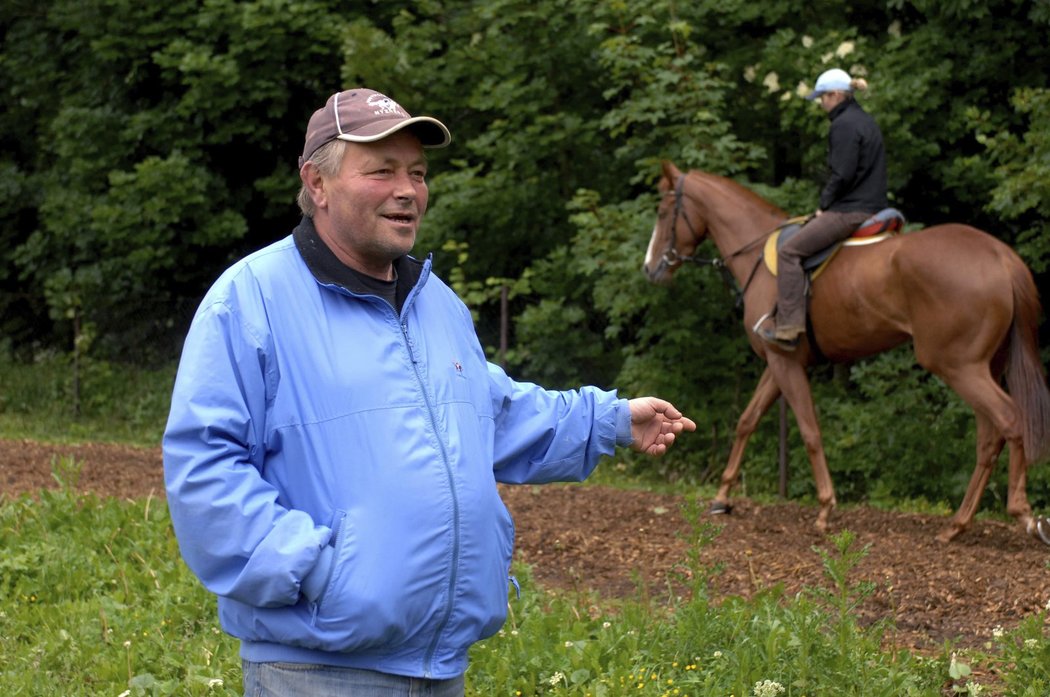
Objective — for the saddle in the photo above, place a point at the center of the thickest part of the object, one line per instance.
(887, 222)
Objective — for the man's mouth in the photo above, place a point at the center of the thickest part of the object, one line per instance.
(402, 218)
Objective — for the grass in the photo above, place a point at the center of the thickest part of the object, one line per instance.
(98, 602)
(125, 404)
(95, 600)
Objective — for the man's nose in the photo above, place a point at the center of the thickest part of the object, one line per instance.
(405, 186)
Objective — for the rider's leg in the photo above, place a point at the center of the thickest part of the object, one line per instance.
(820, 232)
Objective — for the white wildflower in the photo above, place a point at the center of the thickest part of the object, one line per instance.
(974, 688)
(771, 81)
(568, 644)
(749, 73)
(215, 682)
(895, 29)
(807, 42)
(125, 693)
(1031, 643)
(557, 678)
(606, 625)
(717, 654)
(844, 49)
(768, 688)
(998, 631)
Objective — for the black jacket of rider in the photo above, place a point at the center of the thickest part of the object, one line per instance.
(856, 160)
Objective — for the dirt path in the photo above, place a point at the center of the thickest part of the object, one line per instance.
(599, 538)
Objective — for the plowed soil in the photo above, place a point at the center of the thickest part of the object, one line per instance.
(610, 541)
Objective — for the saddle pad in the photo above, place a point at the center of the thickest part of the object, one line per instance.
(818, 261)
(888, 221)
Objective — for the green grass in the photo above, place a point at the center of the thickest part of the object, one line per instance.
(95, 599)
(98, 602)
(116, 403)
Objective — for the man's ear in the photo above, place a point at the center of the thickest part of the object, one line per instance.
(314, 184)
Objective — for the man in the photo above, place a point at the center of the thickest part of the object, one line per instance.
(336, 434)
(855, 190)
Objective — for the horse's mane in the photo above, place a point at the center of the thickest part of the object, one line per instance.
(735, 190)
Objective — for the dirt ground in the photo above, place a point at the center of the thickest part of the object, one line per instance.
(604, 539)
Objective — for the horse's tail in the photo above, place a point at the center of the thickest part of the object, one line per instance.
(1025, 377)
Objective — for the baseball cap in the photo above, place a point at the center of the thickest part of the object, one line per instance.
(834, 80)
(361, 115)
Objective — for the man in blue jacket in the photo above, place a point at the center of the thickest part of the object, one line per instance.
(336, 434)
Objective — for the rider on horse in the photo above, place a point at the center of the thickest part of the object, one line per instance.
(855, 189)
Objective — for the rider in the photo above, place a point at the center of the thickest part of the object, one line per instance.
(855, 190)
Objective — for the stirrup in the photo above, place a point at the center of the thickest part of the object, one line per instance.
(761, 319)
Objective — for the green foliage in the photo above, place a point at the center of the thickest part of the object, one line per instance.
(121, 403)
(1022, 160)
(1023, 656)
(170, 149)
(895, 431)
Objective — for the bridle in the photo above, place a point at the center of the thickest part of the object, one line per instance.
(673, 258)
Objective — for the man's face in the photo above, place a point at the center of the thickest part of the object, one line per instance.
(369, 213)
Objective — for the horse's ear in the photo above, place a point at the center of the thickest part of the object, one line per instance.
(670, 171)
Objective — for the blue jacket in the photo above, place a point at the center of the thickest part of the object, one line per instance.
(331, 467)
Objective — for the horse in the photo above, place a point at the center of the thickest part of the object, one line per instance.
(965, 299)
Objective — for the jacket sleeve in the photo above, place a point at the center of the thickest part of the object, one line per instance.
(233, 531)
(546, 435)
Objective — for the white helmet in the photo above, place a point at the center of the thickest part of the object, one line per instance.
(834, 80)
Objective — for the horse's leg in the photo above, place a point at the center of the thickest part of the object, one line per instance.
(794, 383)
(765, 394)
(990, 443)
(989, 401)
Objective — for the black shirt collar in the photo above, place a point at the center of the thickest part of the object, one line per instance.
(328, 270)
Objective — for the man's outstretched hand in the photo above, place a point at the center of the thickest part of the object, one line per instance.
(655, 423)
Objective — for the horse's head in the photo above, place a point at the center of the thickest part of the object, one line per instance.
(676, 233)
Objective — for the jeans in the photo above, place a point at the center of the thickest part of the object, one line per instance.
(822, 231)
(303, 680)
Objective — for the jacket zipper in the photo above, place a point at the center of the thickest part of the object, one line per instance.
(454, 572)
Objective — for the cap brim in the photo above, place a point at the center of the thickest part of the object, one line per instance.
(814, 94)
(431, 132)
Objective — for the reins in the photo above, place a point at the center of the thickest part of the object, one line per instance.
(673, 257)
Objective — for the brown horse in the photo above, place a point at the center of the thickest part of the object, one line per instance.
(965, 299)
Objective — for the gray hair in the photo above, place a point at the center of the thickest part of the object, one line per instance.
(327, 159)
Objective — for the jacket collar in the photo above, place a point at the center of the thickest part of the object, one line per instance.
(841, 107)
(328, 270)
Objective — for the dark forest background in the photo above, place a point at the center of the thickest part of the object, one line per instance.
(144, 146)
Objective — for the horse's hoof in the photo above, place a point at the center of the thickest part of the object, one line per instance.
(948, 534)
(1042, 530)
(720, 508)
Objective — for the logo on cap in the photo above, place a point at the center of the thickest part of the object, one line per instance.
(383, 104)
